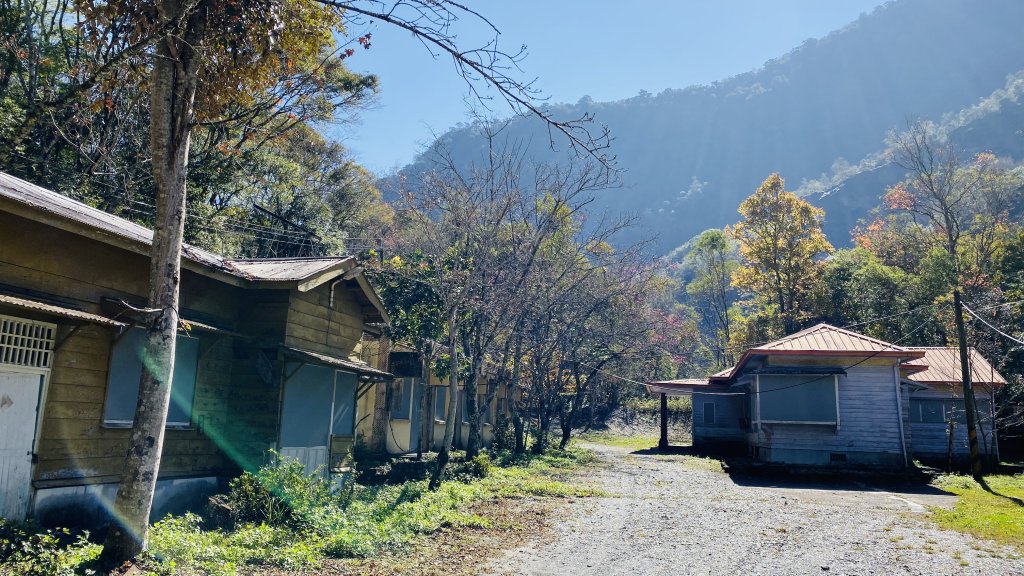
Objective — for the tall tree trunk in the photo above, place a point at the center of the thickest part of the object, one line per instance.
(453, 402)
(519, 427)
(174, 79)
(565, 421)
(510, 393)
(474, 414)
(569, 420)
(543, 425)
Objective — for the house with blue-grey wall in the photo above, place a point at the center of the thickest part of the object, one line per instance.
(826, 396)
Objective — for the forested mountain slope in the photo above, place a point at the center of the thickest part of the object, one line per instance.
(689, 156)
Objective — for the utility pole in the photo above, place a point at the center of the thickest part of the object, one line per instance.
(965, 376)
(663, 441)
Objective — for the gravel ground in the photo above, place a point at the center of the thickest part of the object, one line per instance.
(675, 514)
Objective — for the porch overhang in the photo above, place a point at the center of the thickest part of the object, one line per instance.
(684, 387)
(362, 369)
(60, 311)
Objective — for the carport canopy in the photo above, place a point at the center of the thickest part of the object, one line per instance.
(666, 388)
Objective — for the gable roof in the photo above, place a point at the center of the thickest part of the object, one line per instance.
(941, 365)
(821, 340)
(828, 338)
(36, 203)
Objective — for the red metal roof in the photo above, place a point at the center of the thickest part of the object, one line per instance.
(942, 365)
(827, 338)
(822, 340)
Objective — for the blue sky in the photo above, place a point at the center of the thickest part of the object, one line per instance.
(577, 48)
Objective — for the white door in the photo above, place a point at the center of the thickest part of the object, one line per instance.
(19, 404)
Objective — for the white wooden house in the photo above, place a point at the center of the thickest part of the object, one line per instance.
(826, 396)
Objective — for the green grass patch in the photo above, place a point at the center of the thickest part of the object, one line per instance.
(281, 518)
(994, 516)
(633, 442)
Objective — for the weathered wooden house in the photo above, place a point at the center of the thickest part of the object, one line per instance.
(824, 396)
(406, 392)
(272, 354)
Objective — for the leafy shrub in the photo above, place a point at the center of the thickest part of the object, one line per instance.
(282, 495)
(26, 550)
(478, 467)
(504, 434)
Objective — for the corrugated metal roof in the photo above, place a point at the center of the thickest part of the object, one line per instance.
(821, 340)
(335, 362)
(827, 338)
(26, 304)
(682, 387)
(289, 269)
(56, 204)
(943, 366)
(63, 207)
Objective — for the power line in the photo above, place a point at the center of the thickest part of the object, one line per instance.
(986, 323)
(257, 234)
(1003, 305)
(248, 226)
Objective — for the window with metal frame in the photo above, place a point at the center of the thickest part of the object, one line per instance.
(943, 410)
(126, 360)
(26, 343)
(798, 399)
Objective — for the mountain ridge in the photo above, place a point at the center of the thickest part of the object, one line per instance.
(690, 155)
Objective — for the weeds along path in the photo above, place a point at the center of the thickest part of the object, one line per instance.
(676, 514)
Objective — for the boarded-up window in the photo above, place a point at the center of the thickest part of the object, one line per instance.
(440, 403)
(126, 369)
(803, 399)
(319, 402)
(400, 399)
(709, 413)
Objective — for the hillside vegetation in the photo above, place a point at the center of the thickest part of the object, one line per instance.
(809, 114)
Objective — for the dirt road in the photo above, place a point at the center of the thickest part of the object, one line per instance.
(676, 514)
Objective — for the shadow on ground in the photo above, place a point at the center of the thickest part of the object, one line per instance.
(744, 472)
